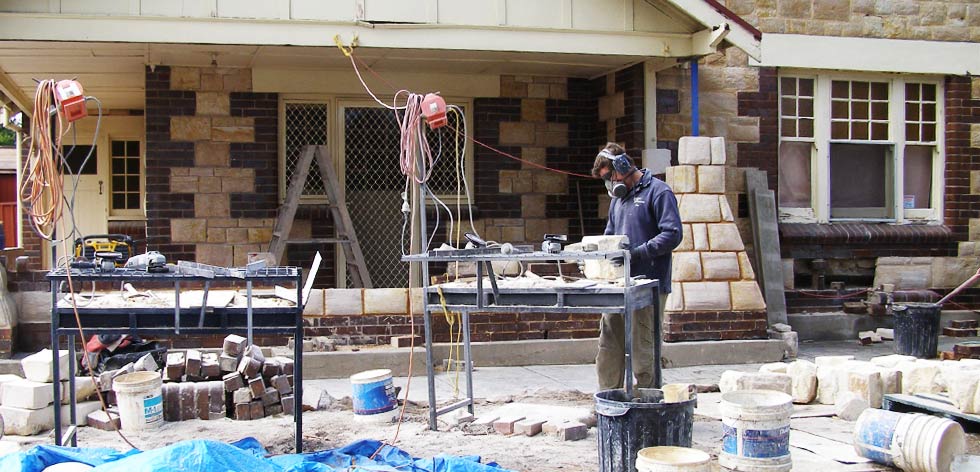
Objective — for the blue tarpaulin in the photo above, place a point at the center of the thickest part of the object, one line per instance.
(202, 455)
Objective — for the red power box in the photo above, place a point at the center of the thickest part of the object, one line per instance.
(434, 111)
(71, 99)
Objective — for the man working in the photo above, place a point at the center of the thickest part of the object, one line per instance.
(644, 209)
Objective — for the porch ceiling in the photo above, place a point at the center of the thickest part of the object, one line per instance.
(114, 72)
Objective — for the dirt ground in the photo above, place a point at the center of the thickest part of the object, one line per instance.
(339, 426)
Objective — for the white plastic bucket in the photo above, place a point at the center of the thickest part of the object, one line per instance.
(756, 427)
(911, 442)
(672, 459)
(373, 392)
(140, 399)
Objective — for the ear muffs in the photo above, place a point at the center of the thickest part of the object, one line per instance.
(621, 162)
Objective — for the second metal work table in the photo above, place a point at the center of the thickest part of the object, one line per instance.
(571, 298)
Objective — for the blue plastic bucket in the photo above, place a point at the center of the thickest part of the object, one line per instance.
(756, 428)
(911, 442)
(873, 435)
(373, 392)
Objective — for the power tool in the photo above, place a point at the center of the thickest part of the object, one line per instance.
(102, 251)
(151, 261)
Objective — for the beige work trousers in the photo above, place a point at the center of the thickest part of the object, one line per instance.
(610, 362)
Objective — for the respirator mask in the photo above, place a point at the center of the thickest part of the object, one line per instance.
(622, 165)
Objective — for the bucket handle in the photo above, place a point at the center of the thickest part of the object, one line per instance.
(611, 410)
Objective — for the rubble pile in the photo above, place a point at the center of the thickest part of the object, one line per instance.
(28, 405)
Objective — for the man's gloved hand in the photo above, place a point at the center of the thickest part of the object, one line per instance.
(635, 255)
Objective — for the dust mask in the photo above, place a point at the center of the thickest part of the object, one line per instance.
(615, 189)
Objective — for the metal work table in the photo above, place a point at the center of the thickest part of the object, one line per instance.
(154, 321)
(598, 298)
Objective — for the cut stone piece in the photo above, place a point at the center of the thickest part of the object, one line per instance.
(804, 381)
(175, 366)
(38, 366)
(694, 150)
(227, 363)
(572, 431)
(682, 179)
(962, 388)
(84, 388)
(711, 179)
(255, 352)
(698, 208)
(864, 382)
(687, 239)
(528, 427)
(192, 363)
(256, 409)
(729, 380)
(850, 406)
(700, 233)
(886, 333)
(774, 368)
(725, 237)
(82, 410)
(720, 266)
(27, 394)
(102, 420)
(249, 367)
(25, 421)
(506, 425)
(288, 404)
(234, 345)
(746, 296)
(6, 378)
(243, 411)
(827, 377)
(147, 363)
(686, 267)
(257, 386)
(919, 376)
(706, 296)
(765, 381)
(604, 269)
(891, 361)
(717, 151)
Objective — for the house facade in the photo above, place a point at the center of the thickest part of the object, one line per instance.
(863, 114)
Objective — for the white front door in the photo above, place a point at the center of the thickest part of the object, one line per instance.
(86, 211)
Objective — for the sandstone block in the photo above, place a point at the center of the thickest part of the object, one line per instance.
(25, 421)
(385, 300)
(190, 128)
(729, 380)
(706, 296)
(211, 154)
(202, 400)
(862, 381)
(726, 210)
(700, 233)
(146, 363)
(849, 406)
(38, 366)
(694, 150)
(724, 237)
(766, 381)
(687, 239)
(210, 103)
(962, 386)
(745, 266)
(891, 361)
(774, 368)
(746, 296)
(188, 230)
(281, 384)
(5, 378)
(600, 269)
(711, 179)
(697, 208)
(270, 397)
(891, 380)
(233, 129)
(675, 300)
(242, 395)
(827, 377)
(686, 267)
(27, 394)
(84, 388)
(720, 266)
(804, 381)
(682, 179)
(340, 301)
(792, 340)
(717, 151)
(920, 377)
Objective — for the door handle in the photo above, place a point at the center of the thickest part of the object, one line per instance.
(100, 187)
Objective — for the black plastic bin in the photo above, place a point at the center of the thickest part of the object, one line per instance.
(917, 329)
(627, 425)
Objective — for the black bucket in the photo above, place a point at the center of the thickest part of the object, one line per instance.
(917, 329)
(627, 425)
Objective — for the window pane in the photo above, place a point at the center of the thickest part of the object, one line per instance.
(806, 107)
(132, 166)
(879, 110)
(929, 112)
(912, 112)
(794, 174)
(133, 184)
(806, 128)
(133, 200)
(929, 92)
(838, 130)
(118, 148)
(918, 177)
(132, 148)
(879, 131)
(838, 110)
(788, 85)
(928, 132)
(859, 130)
(118, 201)
(118, 166)
(879, 91)
(789, 107)
(76, 156)
(840, 89)
(789, 128)
(859, 90)
(911, 91)
(118, 183)
(859, 181)
(911, 132)
(859, 110)
(806, 88)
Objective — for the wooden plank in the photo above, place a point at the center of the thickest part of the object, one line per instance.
(836, 450)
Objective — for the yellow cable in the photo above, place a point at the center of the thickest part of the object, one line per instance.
(451, 319)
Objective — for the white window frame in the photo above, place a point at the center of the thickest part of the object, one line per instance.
(819, 212)
(127, 214)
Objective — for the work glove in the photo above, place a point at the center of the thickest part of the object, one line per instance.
(635, 255)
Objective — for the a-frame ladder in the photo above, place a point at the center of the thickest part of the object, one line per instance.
(346, 236)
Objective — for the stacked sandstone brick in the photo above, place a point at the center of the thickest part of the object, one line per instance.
(714, 294)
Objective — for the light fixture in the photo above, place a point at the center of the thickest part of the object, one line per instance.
(214, 59)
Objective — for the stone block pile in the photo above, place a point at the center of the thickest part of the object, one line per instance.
(961, 328)
(27, 403)
(254, 386)
(853, 386)
(714, 294)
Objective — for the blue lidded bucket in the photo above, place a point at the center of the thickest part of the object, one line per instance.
(873, 434)
(373, 392)
(756, 427)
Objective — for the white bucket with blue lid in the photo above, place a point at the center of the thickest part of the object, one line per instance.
(373, 392)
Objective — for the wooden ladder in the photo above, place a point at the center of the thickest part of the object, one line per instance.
(347, 238)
